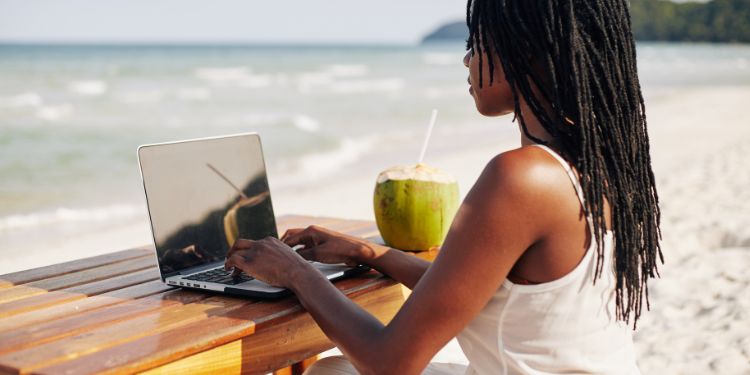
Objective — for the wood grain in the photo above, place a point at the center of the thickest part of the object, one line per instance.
(81, 305)
(118, 333)
(216, 330)
(224, 359)
(34, 335)
(41, 300)
(26, 276)
(111, 314)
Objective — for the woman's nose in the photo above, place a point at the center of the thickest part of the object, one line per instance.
(467, 58)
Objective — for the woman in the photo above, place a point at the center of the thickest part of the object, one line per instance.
(552, 247)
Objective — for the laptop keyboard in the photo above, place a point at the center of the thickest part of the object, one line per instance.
(220, 276)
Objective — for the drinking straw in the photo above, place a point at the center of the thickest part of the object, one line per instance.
(429, 133)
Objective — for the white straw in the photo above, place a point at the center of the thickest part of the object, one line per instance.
(427, 137)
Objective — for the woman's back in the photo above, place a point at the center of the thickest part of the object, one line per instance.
(560, 326)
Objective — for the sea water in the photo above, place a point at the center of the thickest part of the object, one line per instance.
(71, 117)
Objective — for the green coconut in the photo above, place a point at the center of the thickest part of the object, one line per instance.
(414, 206)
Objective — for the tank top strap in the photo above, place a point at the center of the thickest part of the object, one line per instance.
(568, 169)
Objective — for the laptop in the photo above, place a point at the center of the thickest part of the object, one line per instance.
(202, 195)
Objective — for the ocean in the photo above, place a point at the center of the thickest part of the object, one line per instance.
(71, 117)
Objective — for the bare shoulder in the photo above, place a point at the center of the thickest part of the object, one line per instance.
(526, 171)
(529, 181)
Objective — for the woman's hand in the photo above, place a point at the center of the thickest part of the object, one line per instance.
(268, 260)
(327, 246)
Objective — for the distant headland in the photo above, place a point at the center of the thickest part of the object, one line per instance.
(716, 21)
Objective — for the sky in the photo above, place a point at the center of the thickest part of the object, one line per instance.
(230, 21)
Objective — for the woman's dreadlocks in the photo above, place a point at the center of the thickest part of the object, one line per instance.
(573, 62)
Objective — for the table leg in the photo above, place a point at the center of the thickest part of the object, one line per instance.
(297, 368)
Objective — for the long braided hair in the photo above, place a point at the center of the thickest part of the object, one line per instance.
(573, 62)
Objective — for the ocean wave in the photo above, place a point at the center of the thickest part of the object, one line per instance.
(306, 123)
(68, 215)
(235, 76)
(367, 86)
(88, 87)
(326, 84)
(54, 112)
(347, 70)
(442, 58)
(440, 92)
(141, 97)
(27, 99)
(320, 164)
(300, 121)
(193, 93)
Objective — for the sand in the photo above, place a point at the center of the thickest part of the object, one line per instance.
(699, 321)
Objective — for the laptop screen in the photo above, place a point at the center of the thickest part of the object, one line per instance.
(204, 194)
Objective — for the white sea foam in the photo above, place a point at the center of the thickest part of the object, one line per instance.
(347, 70)
(235, 76)
(193, 93)
(68, 215)
(307, 81)
(367, 86)
(300, 121)
(321, 164)
(54, 112)
(222, 74)
(306, 123)
(442, 92)
(27, 99)
(141, 97)
(88, 87)
(442, 58)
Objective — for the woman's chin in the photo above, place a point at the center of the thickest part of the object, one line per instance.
(491, 111)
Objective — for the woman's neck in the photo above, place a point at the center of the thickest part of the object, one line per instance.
(533, 126)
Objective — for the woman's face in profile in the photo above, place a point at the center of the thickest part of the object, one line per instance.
(491, 100)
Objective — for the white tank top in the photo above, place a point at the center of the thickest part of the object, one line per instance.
(566, 326)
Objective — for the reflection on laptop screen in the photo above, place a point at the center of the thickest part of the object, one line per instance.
(203, 195)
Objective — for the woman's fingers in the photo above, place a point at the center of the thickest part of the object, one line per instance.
(240, 244)
(290, 232)
(234, 262)
(308, 237)
(310, 253)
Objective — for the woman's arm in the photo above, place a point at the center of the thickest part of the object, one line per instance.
(490, 232)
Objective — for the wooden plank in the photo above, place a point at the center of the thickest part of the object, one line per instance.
(37, 302)
(39, 287)
(19, 292)
(297, 368)
(80, 306)
(274, 347)
(218, 329)
(29, 359)
(154, 350)
(26, 276)
(95, 274)
(34, 335)
(77, 292)
(223, 359)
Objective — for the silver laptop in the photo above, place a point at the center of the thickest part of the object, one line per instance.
(202, 195)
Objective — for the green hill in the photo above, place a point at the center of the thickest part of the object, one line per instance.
(662, 20)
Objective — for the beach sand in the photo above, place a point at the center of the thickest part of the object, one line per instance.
(700, 144)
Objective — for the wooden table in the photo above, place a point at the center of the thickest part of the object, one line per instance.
(111, 314)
